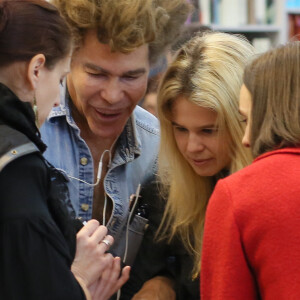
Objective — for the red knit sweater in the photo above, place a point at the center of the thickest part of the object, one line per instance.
(251, 246)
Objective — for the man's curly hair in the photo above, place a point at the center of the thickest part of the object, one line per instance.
(127, 24)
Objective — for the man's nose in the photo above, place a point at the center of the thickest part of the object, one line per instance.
(112, 91)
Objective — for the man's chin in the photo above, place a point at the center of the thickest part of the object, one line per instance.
(106, 132)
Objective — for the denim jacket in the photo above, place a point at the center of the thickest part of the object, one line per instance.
(134, 163)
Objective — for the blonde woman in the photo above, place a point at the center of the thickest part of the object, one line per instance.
(201, 131)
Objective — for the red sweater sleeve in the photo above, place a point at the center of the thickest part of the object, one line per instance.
(224, 270)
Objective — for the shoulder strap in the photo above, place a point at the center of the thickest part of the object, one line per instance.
(17, 152)
(13, 144)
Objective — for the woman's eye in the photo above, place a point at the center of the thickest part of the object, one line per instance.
(181, 129)
(209, 130)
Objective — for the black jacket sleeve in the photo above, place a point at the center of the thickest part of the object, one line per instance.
(35, 259)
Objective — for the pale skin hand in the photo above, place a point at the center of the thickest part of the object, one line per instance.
(89, 250)
(110, 281)
(157, 288)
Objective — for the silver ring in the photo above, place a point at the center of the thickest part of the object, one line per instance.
(106, 242)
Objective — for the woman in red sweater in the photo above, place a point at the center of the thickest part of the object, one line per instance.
(251, 246)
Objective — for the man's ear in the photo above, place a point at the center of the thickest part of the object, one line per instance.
(35, 68)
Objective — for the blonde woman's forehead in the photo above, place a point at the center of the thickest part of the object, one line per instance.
(187, 113)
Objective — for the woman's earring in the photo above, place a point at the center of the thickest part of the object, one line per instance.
(36, 113)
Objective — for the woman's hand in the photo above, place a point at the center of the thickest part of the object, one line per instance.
(110, 281)
(90, 258)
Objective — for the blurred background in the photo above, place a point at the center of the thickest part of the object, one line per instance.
(265, 23)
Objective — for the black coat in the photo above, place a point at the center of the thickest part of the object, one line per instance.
(37, 238)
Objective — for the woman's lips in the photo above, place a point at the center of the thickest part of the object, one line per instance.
(201, 162)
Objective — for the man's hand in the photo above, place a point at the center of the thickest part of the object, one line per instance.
(157, 288)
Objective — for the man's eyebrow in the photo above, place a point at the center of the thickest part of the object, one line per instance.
(95, 68)
(139, 71)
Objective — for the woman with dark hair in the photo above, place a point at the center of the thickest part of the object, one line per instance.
(39, 257)
(251, 245)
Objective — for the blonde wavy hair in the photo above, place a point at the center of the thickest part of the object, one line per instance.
(207, 71)
(127, 24)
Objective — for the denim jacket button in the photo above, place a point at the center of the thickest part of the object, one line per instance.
(83, 161)
(85, 207)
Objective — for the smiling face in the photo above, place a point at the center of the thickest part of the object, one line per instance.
(198, 139)
(245, 105)
(106, 86)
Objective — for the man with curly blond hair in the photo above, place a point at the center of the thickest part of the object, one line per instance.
(98, 137)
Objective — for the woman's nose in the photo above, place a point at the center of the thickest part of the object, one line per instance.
(195, 144)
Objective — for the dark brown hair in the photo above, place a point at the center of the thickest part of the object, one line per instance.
(273, 80)
(30, 27)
